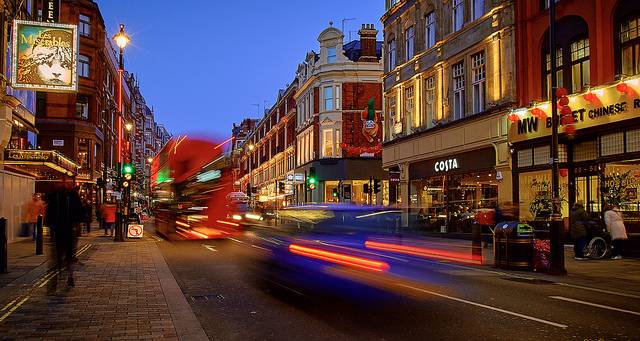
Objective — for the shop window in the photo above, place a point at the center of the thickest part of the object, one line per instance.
(458, 90)
(409, 35)
(525, 158)
(585, 151)
(612, 144)
(541, 155)
(479, 74)
(563, 154)
(630, 46)
(633, 141)
(580, 72)
(430, 99)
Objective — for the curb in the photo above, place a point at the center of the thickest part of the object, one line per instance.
(184, 320)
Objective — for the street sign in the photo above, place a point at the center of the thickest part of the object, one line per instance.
(58, 143)
(134, 231)
(117, 195)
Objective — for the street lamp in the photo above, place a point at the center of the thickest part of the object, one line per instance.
(251, 147)
(128, 126)
(150, 159)
(122, 40)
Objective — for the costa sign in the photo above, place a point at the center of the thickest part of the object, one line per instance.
(446, 165)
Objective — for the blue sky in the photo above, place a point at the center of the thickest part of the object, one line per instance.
(203, 64)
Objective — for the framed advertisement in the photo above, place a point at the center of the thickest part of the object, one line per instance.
(45, 56)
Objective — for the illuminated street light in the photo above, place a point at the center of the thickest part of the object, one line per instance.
(128, 126)
(251, 146)
(121, 39)
(150, 159)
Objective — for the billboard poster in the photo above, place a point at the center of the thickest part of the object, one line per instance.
(44, 56)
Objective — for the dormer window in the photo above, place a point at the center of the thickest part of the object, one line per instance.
(332, 55)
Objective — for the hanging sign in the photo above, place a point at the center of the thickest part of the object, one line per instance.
(51, 11)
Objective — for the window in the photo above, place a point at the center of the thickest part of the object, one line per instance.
(633, 141)
(338, 104)
(338, 139)
(612, 144)
(83, 66)
(331, 55)
(392, 54)
(82, 107)
(559, 73)
(327, 150)
(430, 30)
(580, 75)
(83, 153)
(390, 3)
(630, 46)
(478, 9)
(409, 106)
(409, 34)
(328, 97)
(430, 99)
(84, 26)
(478, 71)
(458, 14)
(458, 90)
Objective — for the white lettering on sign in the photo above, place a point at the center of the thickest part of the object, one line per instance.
(446, 165)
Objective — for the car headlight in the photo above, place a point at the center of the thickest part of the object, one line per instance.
(237, 217)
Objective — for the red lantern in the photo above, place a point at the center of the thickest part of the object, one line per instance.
(513, 118)
(564, 100)
(567, 119)
(539, 113)
(570, 129)
(560, 92)
(622, 88)
(564, 172)
(566, 110)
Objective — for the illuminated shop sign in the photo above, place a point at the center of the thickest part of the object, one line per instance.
(44, 56)
(446, 165)
(597, 106)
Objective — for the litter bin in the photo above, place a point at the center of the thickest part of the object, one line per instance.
(513, 245)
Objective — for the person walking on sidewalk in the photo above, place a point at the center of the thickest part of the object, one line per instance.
(615, 225)
(35, 207)
(108, 217)
(64, 214)
(579, 218)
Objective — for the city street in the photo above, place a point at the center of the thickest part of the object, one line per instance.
(460, 303)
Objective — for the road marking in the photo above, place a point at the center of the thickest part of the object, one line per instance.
(260, 247)
(48, 278)
(595, 305)
(599, 290)
(156, 238)
(9, 304)
(13, 308)
(236, 240)
(527, 317)
(209, 247)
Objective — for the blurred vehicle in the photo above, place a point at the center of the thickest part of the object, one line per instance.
(191, 179)
(346, 250)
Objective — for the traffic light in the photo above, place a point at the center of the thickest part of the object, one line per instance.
(334, 192)
(311, 178)
(376, 186)
(128, 168)
(127, 175)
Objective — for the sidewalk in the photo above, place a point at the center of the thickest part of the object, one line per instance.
(123, 291)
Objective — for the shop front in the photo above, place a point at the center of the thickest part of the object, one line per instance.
(599, 164)
(446, 192)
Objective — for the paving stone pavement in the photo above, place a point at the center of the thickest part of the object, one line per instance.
(123, 291)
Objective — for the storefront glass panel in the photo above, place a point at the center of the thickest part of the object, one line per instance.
(329, 187)
(536, 193)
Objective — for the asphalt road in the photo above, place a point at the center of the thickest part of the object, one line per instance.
(459, 303)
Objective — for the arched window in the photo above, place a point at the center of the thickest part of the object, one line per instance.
(627, 37)
(572, 56)
(391, 54)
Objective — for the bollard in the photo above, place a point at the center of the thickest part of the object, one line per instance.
(39, 238)
(3, 245)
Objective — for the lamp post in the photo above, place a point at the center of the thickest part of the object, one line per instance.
(121, 39)
(251, 147)
(555, 231)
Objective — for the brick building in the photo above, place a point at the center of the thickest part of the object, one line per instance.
(449, 83)
(598, 63)
(339, 108)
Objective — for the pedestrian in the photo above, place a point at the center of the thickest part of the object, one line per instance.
(615, 226)
(579, 218)
(109, 217)
(64, 213)
(99, 216)
(88, 215)
(35, 208)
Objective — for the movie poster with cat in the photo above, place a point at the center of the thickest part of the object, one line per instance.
(45, 56)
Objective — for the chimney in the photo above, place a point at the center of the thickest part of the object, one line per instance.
(368, 35)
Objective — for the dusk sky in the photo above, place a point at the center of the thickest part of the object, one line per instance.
(206, 64)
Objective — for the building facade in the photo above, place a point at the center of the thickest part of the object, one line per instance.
(339, 126)
(598, 66)
(449, 83)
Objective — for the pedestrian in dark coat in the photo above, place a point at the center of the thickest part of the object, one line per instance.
(579, 218)
(64, 214)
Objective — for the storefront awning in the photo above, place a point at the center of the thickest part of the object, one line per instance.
(41, 164)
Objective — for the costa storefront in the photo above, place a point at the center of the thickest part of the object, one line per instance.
(449, 190)
(599, 163)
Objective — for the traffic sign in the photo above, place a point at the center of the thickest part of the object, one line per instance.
(135, 231)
